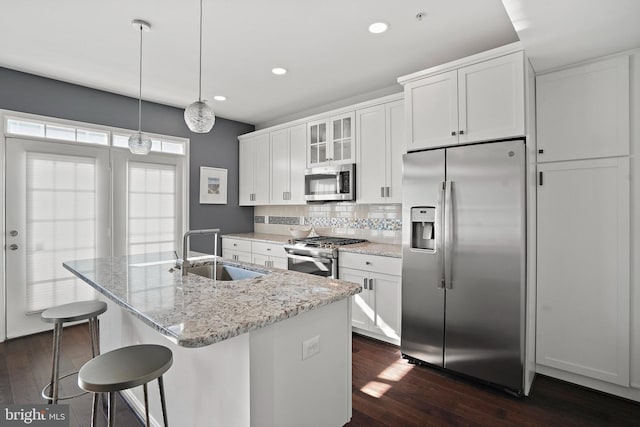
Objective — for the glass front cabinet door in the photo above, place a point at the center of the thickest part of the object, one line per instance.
(331, 141)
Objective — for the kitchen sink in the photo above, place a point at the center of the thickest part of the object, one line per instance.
(220, 271)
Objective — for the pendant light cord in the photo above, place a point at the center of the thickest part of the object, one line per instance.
(200, 78)
(140, 92)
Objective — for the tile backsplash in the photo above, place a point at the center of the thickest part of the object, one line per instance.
(376, 223)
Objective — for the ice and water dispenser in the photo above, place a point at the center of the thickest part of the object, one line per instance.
(423, 230)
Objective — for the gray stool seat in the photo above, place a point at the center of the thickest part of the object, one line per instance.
(125, 368)
(73, 312)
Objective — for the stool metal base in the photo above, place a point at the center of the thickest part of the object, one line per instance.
(48, 386)
(94, 332)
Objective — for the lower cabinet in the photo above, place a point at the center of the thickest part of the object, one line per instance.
(376, 310)
(268, 254)
(261, 253)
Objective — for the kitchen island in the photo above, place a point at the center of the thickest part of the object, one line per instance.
(273, 350)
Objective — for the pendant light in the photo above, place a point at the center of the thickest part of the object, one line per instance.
(140, 143)
(199, 116)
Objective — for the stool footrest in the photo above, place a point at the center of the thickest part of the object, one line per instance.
(47, 387)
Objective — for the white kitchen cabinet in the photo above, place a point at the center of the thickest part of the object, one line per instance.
(331, 140)
(583, 111)
(583, 268)
(380, 144)
(236, 249)
(478, 102)
(268, 254)
(254, 171)
(376, 310)
(288, 161)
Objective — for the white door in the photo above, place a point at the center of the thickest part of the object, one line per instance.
(387, 297)
(362, 313)
(280, 167)
(371, 137)
(395, 149)
(57, 209)
(148, 203)
(583, 268)
(432, 107)
(491, 99)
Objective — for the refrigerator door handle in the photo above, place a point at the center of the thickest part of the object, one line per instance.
(448, 235)
(439, 233)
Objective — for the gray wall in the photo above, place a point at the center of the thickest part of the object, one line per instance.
(219, 148)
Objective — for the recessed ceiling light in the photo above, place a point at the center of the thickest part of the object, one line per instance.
(220, 98)
(378, 27)
(279, 71)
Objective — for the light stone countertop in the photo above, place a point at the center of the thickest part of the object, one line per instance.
(194, 311)
(368, 248)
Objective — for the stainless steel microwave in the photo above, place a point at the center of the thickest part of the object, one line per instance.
(330, 183)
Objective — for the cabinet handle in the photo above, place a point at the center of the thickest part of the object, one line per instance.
(540, 178)
(387, 191)
(370, 284)
(381, 191)
(365, 282)
(540, 151)
(461, 132)
(269, 249)
(235, 244)
(453, 133)
(367, 263)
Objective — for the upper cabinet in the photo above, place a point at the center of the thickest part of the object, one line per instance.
(331, 140)
(380, 144)
(254, 171)
(478, 102)
(288, 161)
(583, 112)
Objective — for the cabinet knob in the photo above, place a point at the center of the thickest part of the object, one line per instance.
(461, 132)
(540, 151)
(367, 263)
(453, 133)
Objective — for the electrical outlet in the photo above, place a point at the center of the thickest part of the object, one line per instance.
(311, 347)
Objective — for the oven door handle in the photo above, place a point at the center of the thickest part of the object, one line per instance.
(309, 258)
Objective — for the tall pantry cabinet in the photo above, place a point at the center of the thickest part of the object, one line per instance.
(583, 224)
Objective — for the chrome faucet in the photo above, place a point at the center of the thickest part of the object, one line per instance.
(185, 245)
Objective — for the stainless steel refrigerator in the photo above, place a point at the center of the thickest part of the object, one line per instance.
(463, 273)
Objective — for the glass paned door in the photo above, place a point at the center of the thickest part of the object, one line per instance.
(57, 200)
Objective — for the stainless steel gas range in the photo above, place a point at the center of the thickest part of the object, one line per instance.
(316, 255)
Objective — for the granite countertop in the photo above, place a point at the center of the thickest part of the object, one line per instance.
(194, 311)
(368, 248)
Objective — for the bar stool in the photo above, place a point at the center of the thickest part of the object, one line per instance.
(75, 311)
(122, 369)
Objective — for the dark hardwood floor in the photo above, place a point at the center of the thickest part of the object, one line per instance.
(387, 391)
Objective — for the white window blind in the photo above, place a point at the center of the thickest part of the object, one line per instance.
(152, 208)
(61, 226)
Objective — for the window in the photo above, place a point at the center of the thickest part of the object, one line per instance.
(152, 213)
(61, 222)
(63, 131)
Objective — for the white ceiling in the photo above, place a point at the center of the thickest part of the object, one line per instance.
(560, 32)
(325, 44)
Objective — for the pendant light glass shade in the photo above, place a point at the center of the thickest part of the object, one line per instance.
(139, 142)
(198, 116)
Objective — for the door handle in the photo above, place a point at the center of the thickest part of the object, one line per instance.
(448, 235)
(439, 234)
(13, 233)
(13, 246)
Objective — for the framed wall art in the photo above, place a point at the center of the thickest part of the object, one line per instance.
(213, 186)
